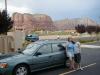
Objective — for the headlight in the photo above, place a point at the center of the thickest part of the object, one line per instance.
(3, 65)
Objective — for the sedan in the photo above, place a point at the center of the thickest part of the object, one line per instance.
(36, 56)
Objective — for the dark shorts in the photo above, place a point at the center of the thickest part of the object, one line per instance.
(77, 58)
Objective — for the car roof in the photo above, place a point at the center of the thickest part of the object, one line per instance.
(50, 41)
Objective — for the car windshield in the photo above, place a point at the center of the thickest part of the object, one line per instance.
(31, 48)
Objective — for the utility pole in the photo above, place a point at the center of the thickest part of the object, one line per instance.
(6, 5)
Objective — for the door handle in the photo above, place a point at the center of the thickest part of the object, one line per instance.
(50, 56)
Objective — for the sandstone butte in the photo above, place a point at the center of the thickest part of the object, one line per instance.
(31, 22)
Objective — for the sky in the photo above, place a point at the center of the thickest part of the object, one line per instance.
(57, 9)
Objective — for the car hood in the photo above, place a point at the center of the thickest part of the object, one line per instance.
(12, 56)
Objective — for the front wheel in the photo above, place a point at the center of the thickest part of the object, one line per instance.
(21, 70)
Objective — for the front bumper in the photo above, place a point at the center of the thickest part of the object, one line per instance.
(5, 71)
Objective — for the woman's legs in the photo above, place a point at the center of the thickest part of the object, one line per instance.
(71, 63)
(71, 59)
(77, 59)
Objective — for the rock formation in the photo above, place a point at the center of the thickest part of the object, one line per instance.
(37, 22)
(69, 24)
(29, 22)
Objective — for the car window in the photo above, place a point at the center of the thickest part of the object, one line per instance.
(45, 49)
(64, 44)
(31, 48)
(58, 47)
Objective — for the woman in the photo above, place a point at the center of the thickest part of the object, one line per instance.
(70, 52)
(77, 55)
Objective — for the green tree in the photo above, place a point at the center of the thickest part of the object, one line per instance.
(97, 32)
(90, 29)
(80, 28)
(97, 29)
(5, 22)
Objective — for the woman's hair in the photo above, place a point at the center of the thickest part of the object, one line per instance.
(69, 38)
(73, 42)
(78, 43)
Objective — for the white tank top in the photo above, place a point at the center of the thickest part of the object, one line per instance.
(77, 48)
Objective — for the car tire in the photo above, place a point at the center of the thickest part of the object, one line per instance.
(21, 70)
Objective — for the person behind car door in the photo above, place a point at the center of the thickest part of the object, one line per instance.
(77, 55)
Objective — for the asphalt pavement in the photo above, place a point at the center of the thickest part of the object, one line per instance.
(90, 63)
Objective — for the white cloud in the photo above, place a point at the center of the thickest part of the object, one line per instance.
(53, 8)
(14, 8)
(1, 6)
(17, 9)
(51, 4)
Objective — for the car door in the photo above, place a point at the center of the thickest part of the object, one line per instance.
(42, 57)
(58, 53)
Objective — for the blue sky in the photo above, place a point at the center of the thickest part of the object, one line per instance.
(57, 9)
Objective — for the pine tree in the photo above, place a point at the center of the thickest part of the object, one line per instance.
(5, 22)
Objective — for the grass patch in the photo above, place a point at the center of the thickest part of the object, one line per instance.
(86, 41)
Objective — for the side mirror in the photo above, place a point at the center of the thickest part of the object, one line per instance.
(38, 53)
(19, 50)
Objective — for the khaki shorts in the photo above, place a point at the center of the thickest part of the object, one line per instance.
(70, 55)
